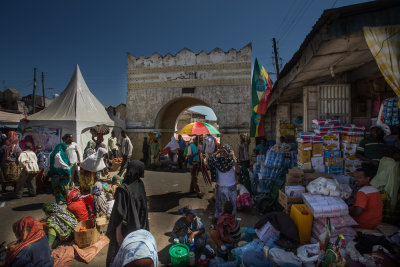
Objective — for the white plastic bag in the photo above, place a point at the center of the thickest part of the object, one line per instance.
(303, 253)
(279, 257)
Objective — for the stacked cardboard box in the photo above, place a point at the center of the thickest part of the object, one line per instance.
(333, 162)
(294, 179)
(349, 148)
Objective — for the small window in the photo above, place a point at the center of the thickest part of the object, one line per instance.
(188, 90)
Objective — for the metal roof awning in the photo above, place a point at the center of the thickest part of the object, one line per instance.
(335, 45)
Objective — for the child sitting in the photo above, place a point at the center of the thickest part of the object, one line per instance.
(109, 204)
(227, 229)
(116, 182)
(244, 200)
(190, 229)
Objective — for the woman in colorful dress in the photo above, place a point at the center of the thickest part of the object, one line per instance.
(89, 168)
(10, 153)
(76, 205)
(31, 247)
(190, 229)
(224, 168)
(59, 222)
(60, 172)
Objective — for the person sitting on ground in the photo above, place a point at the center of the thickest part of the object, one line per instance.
(139, 249)
(31, 247)
(367, 209)
(244, 200)
(99, 201)
(76, 205)
(371, 148)
(116, 182)
(189, 228)
(227, 230)
(28, 160)
(60, 223)
(224, 168)
(109, 204)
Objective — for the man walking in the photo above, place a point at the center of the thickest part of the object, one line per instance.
(154, 151)
(126, 151)
(112, 146)
(74, 157)
(28, 160)
(181, 152)
(193, 155)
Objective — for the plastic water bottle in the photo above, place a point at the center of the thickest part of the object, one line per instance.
(192, 258)
(210, 253)
(176, 240)
(203, 261)
(223, 252)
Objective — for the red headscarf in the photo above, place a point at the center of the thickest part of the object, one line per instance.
(11, 143)
(29, 230)
(73, 194)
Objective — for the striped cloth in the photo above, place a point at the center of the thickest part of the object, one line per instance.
(384, 43)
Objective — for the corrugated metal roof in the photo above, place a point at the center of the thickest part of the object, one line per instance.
(10, 117)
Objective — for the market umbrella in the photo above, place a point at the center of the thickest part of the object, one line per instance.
(101, 129)
(198, 128)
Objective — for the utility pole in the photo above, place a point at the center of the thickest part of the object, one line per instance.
(276, 58)
(34, 89)
(44, 99)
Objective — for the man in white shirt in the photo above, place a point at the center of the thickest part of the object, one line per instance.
(28, 160)
(126, 151)
(74, 157)
(112, 146)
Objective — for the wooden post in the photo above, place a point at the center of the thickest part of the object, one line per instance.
(44, 99)
(34, 90)
(276, 58)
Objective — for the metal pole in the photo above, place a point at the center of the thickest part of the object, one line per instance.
(44, 99)
(34, 90)
(276, 58)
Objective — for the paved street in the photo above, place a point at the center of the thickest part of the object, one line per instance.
(167, 193)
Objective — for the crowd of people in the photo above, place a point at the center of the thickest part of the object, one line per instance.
(81, 195)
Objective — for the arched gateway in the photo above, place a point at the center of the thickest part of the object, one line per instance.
(160, 88)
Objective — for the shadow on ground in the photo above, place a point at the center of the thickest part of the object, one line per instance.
(29, 207)
(167, 201)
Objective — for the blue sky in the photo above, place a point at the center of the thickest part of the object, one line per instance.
(55, 35)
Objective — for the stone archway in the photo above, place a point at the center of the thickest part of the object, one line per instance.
(160, 88)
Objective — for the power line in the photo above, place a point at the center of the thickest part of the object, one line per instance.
(301, 14)
(285, 18)
(292, 19)
(334, 3)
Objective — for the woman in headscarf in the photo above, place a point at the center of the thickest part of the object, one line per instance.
(224, 169)
(9, 160)
(76, 205)
(59, 222)
(189, 228)
(89, 168)
(31, 247)
(139, 248)
(130, 208)
(99, 201)
(60, 172)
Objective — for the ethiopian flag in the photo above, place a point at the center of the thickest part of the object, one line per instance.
(261, 88)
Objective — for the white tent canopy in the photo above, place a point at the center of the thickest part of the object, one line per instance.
(74, 110)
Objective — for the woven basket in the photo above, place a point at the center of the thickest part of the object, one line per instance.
(88, 237)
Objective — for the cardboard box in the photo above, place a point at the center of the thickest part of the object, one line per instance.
(286, 132)
(351, 139)
(335, 154)
(349, 149)
(306, 167)
(317, 164)
(286, 126)
(294, 176)
(304, 156)
(350, 157)
(331, 146)
(287, 202)
(334, 170)
(334, 162)
(352, 163)
(317, 149)
(304, 146)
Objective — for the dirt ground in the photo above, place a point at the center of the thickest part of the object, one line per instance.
(167, 192)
